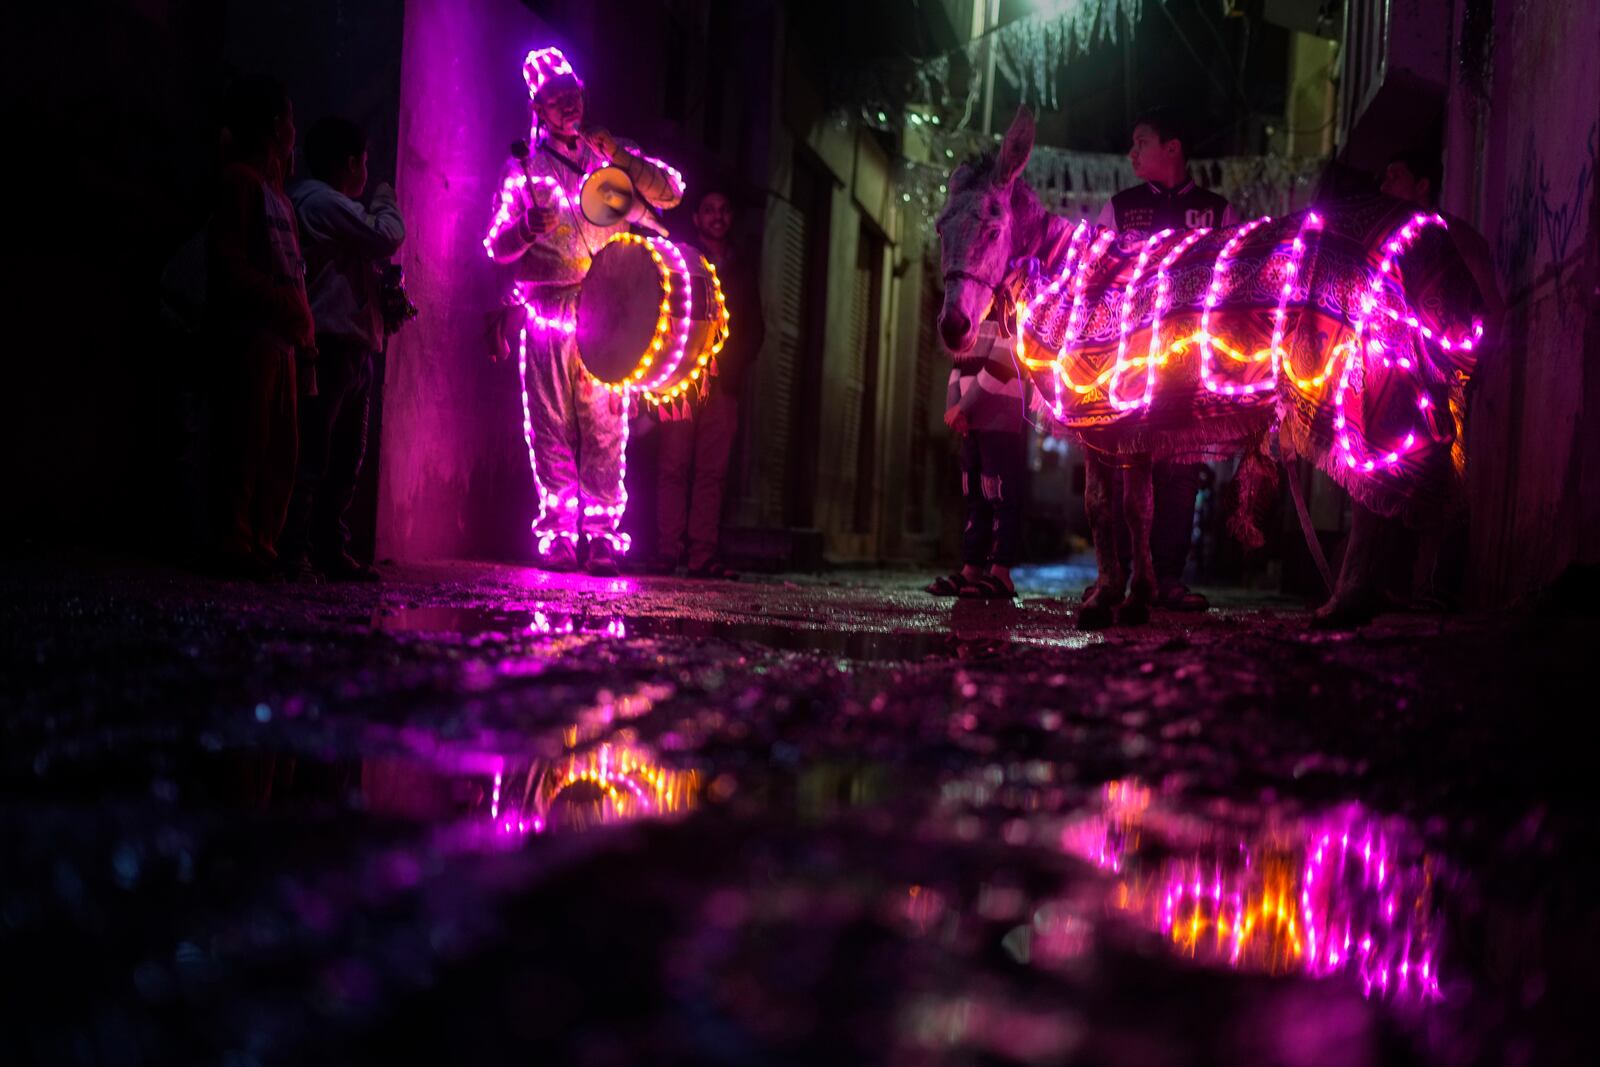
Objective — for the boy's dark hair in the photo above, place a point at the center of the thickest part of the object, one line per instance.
(715, 189)
(1423, 164)
(251, 108)
(1168, 125)
(330, 142)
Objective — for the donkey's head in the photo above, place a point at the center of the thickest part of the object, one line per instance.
(981, 230)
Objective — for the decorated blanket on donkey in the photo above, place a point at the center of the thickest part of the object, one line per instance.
(1352, 329)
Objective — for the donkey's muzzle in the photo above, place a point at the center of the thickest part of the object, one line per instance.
(956, 329)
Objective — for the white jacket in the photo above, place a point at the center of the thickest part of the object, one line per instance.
(345, 247)
(560, 259)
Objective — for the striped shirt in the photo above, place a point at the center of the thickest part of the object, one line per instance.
(985, 384)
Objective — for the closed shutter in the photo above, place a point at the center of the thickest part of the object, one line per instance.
(850, 407)
(929, 364)
(777, 421)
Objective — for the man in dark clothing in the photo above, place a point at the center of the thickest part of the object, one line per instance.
(1167, 198)
(346, 246)
(258, 317)
(704, 440)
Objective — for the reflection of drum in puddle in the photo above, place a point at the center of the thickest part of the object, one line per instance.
(616, 781)
(650, 316)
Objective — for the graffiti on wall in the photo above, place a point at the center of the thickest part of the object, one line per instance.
(1542, 220)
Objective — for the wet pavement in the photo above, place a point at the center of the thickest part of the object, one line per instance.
(483, 813)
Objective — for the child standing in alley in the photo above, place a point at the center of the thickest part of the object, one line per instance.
(985, 405)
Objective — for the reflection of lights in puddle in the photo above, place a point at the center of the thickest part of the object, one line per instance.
(537, 619)
(1344, 893)
(613, 782)
(574, 582)
(560, 623)
(603, 774)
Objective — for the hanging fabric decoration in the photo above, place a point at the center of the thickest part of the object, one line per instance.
(1077, 184)
(1028, 52)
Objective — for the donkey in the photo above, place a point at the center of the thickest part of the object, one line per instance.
(991, 225)
(994, 233)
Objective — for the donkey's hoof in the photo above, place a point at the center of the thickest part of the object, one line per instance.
(1095, 617)
(1134, 613)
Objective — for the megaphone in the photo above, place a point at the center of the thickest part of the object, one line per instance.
(608, 198)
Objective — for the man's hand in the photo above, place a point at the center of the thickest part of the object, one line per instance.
(601, 141)
(956, 419)
(536, 222)
(504, 333)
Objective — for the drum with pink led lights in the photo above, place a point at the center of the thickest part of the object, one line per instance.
(651, 317)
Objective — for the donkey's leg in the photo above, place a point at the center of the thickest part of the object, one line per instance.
(1355, 597)
(1138, 505)
(1107, 593)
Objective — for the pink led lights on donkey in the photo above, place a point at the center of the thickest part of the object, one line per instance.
(1200, 342)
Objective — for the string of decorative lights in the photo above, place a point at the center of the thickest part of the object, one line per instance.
(672, 333)
(1382, 296)
(520, 191)
(1337, 895)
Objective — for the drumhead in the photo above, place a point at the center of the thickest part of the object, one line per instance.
(618, 306)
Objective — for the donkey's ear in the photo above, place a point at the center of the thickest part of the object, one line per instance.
(1016, 148)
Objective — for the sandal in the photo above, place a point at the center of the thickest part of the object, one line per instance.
(988, 587)
(947, 585)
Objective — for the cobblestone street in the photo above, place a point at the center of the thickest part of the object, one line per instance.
(485, 812)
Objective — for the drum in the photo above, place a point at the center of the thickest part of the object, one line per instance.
(650, 316)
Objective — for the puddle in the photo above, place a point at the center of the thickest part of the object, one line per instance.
(450, 620)
(539, 621)
(469, 800)
(849, 644)
(467, 789)
(479, 798)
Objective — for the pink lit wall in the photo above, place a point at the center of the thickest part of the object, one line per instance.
(455, 481)
(1523, 165)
